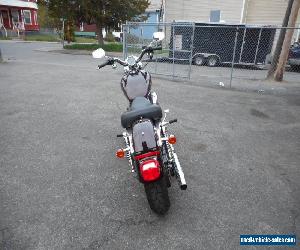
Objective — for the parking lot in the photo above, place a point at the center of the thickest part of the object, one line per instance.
(61, 186)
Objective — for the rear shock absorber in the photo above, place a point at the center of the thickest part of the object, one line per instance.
(128, 152)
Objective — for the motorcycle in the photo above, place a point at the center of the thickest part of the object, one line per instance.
(149, 147)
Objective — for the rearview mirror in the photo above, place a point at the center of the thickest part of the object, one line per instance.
(99, 53)
(158, 36)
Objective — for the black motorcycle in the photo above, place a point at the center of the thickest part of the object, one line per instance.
(148, 145)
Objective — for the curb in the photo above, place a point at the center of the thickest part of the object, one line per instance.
(22, 41)
(77, 52)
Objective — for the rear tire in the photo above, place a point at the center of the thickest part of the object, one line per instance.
(157, 196)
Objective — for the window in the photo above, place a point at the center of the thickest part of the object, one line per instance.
(27, 16)
(15, 16)
(215, 16)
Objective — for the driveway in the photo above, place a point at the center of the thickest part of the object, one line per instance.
(61, 186)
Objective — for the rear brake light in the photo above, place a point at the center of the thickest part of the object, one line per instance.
(150, 170)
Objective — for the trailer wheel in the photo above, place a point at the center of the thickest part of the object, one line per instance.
(269, 59)
(212, 61)
(199, 60)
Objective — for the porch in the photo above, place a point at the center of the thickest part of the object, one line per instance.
(17, 16)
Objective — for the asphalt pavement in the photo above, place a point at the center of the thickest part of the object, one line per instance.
(61, 186)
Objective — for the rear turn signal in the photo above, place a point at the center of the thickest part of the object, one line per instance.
(120, 153)
(172, 139)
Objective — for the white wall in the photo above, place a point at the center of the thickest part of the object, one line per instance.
(199, 10)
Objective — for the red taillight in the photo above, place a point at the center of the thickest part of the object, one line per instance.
(150, 170)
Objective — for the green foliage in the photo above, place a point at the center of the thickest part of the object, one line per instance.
(114, 47)
(105, 14)
(5, 38)
(47, 19)
(42, 38)
(114, 12)
(67, 9)
(43, 16)
(110, 14)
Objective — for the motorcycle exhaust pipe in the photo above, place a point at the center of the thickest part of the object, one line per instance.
(179, 173)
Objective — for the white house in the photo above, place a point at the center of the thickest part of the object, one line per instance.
(250, 12)
(261, 12)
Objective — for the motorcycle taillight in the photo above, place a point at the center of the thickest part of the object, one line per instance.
(150, 170)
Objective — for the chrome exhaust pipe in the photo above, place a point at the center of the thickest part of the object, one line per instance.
(179, 173)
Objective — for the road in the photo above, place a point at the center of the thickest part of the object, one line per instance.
(61, 186)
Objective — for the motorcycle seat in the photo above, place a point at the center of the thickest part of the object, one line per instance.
(140, 108)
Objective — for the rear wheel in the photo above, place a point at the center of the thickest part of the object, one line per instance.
(157, 196)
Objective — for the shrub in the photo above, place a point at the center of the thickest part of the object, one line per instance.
(115, 47)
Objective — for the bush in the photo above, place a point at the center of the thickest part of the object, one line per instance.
(41, 37)
(114, 47)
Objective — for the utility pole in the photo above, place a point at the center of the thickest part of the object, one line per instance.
(1, 59)
(278, 75)
(280, 40)
(63, 31)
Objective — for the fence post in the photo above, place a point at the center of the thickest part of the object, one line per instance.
(63, 33)
(155, 68)
(192, 49)
(173, 35)
(124, 40)
(1, 59)
(242, 47)
(233, 56)
(257, 47)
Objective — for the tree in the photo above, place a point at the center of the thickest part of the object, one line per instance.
(67, 10)
(278, 75)
(280, 40)
(42, 14)
(110, 14)
(47, 21)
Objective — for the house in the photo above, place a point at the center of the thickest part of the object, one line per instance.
(154, 15)
(249, 12)
(18, 15)
(267, 12)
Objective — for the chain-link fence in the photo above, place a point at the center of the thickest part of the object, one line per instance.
(217, 53)
(175, 57)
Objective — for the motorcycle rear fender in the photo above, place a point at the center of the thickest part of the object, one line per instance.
(144, 138)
